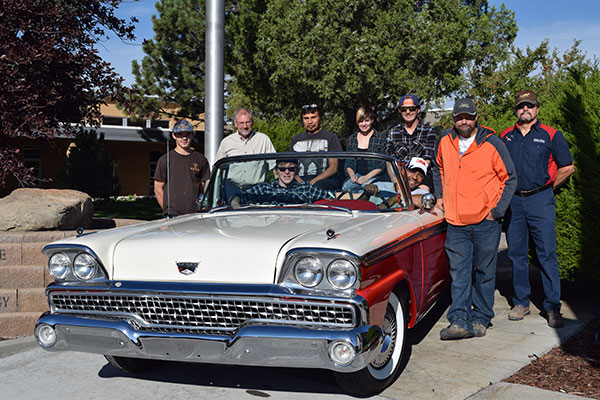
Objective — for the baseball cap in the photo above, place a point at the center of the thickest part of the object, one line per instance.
(526, 96)
(183, 126)
(464, 106)
(415, 100)
(418, 163)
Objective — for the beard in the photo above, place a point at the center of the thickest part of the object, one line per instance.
(525, 118)
(465, 130)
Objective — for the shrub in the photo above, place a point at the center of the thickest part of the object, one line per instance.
(88, 169)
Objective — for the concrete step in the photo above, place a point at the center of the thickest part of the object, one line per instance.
(16, 324)
(24, 276)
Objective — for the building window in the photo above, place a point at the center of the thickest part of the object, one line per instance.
(160, 123)
(117, 121)
(154, 156)
(32, 158)
(140, 123)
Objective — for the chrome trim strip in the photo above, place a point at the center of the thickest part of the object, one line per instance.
(273, 346)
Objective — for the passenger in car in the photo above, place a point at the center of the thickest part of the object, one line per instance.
(284, 190)
(363, 171)
(416, 173)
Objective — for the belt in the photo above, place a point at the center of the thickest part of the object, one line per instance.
(527, 193)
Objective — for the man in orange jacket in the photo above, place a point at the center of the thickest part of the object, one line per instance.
(474, 183)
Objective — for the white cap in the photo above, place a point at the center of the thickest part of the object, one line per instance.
(418, 162)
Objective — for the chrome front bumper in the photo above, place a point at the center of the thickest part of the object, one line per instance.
(256, 345)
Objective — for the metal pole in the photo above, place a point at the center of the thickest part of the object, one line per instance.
(215, 20)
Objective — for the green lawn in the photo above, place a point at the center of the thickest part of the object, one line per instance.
(144, 209)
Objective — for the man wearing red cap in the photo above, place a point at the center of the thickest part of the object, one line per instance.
(543, 162)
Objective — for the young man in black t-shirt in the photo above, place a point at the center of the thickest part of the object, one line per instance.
(178, 187)
(323, 172)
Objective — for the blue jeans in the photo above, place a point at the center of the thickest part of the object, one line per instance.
(472, 251)
(536, 215)
(349, 185)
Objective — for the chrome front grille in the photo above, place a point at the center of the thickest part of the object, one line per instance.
(202, 314)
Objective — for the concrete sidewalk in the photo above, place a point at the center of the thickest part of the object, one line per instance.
(474, 368)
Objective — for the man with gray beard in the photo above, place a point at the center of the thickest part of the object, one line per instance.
(543, 162)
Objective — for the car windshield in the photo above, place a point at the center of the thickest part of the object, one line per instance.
(297, 180)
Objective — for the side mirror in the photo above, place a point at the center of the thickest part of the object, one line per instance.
(427, 202)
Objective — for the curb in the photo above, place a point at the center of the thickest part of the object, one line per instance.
(13, 346)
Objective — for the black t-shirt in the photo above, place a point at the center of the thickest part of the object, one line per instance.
(323, 140)
(186, 175)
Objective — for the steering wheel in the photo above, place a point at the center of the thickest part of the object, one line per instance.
(349, 192)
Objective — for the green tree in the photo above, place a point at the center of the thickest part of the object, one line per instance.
(88, 169)
(568, 87)
(345, 53)
(172, 72)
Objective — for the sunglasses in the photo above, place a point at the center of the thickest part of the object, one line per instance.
(528, 105)
(309, 106)
(286, 169)
(410, 108)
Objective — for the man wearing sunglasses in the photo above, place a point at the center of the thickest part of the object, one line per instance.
(284, 190)
(474, 183)
(321, 172)
(543, 162)
(412, 137)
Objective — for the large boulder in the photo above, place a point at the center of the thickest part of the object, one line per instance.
(45, 209)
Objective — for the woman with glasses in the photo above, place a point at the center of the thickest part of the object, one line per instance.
(363, 171)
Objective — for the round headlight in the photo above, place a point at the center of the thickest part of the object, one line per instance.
(341, 274)
(309, 271)
(59, 265)
(84, 266)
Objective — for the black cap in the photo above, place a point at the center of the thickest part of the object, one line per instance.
(464, 106)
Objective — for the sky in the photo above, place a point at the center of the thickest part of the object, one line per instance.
(559, 21)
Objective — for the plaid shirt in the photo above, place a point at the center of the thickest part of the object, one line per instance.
(274, 193)
(376, 145)
(404, 146)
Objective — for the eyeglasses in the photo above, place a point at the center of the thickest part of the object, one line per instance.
(286, 169)
(309, 106)
(410, 108)
(528, 105)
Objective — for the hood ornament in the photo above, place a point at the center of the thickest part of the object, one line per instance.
(187, 268)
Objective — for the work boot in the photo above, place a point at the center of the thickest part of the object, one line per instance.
(455, 332)
(479, 329)
(518, 312)
(555, 320)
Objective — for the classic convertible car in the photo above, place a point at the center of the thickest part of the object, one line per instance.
(271, 271)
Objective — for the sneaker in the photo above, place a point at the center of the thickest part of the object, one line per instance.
(518, 312)
(455, 332)
(479, 329)
(555, 320)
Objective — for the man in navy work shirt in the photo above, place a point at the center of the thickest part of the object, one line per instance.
(284, 190)
(543, 162)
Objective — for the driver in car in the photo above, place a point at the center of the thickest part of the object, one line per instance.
(284, 190)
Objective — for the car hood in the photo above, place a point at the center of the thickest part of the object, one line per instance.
(227, 247)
